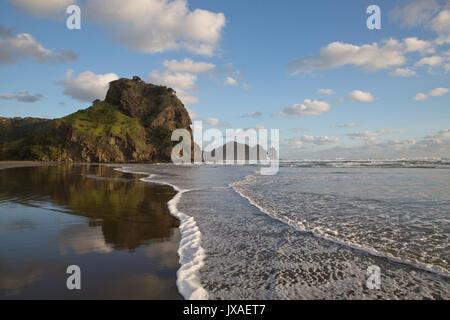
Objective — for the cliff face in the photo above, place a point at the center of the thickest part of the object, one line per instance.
(133, 124)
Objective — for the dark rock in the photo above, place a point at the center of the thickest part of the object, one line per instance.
(133, 124)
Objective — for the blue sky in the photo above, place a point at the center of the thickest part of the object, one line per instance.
(232, 59)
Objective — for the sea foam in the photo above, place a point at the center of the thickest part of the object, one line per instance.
(191, 253)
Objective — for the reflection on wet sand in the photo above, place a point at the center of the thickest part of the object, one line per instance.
(115, 227)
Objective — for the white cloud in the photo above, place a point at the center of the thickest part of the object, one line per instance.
(151, 26)
(88, 86)
(24, 45)
(229, 81)
(415, 13)
(420, 96)
(441, 24)
(361, 96)
(371, 57)
(43, 8)
(22, 97)
(216, 123)
(430, 61)
(413, 44)
(187, 98)
(432, 145)
(438, 92)
(325, 91)
(368, 134)
(441, 135)
(319, 140)
(181, 82)
(175, 80)
(307, 108)
(187, 65)
(433, 14)
(403, 72)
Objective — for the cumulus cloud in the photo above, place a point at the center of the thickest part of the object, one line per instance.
(147, 26)
(43, 8)
(216, 123)
(24, 45)
(403, 72)
(368, 134)
(187, 65)
(151, 26)
(441, 25)
(22, 97)
(437, 92)
(433, 14)
(88, 86)
(414, 44)
(176, 80)
(307, 108)
(441, 135)
(371, 57)
(415, 13)
(432, 145)
(229, 81)
(319, 140)
(325, 91)
(420, 96)
(360, 96)
(181, 82)
(432, 61)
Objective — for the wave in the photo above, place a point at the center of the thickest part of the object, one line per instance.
(191, 253)
(369, 163)
(299, 226)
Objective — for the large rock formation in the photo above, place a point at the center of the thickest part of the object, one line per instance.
(133, 124)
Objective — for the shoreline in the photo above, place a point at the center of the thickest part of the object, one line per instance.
(30, 164)
(23, 164)
(190, 251)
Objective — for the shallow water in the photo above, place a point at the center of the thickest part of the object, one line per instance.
(312, 233)
(115, 227)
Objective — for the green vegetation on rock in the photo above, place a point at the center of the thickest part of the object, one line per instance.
(133, 124)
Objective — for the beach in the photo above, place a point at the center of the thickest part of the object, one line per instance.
(162, 231)
(117, 229)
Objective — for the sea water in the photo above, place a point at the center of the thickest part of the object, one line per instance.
(313, 230)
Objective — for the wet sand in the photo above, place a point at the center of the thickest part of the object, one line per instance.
(116, 228)
(17, 164)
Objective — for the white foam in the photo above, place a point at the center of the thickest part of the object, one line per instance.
(318, 233)
(191, 253)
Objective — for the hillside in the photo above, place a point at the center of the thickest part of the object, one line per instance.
(133, 124)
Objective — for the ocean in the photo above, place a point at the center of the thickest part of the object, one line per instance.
(313, 230)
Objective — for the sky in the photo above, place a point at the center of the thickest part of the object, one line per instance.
(312, 69)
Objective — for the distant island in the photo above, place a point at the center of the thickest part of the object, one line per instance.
(133, 124)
